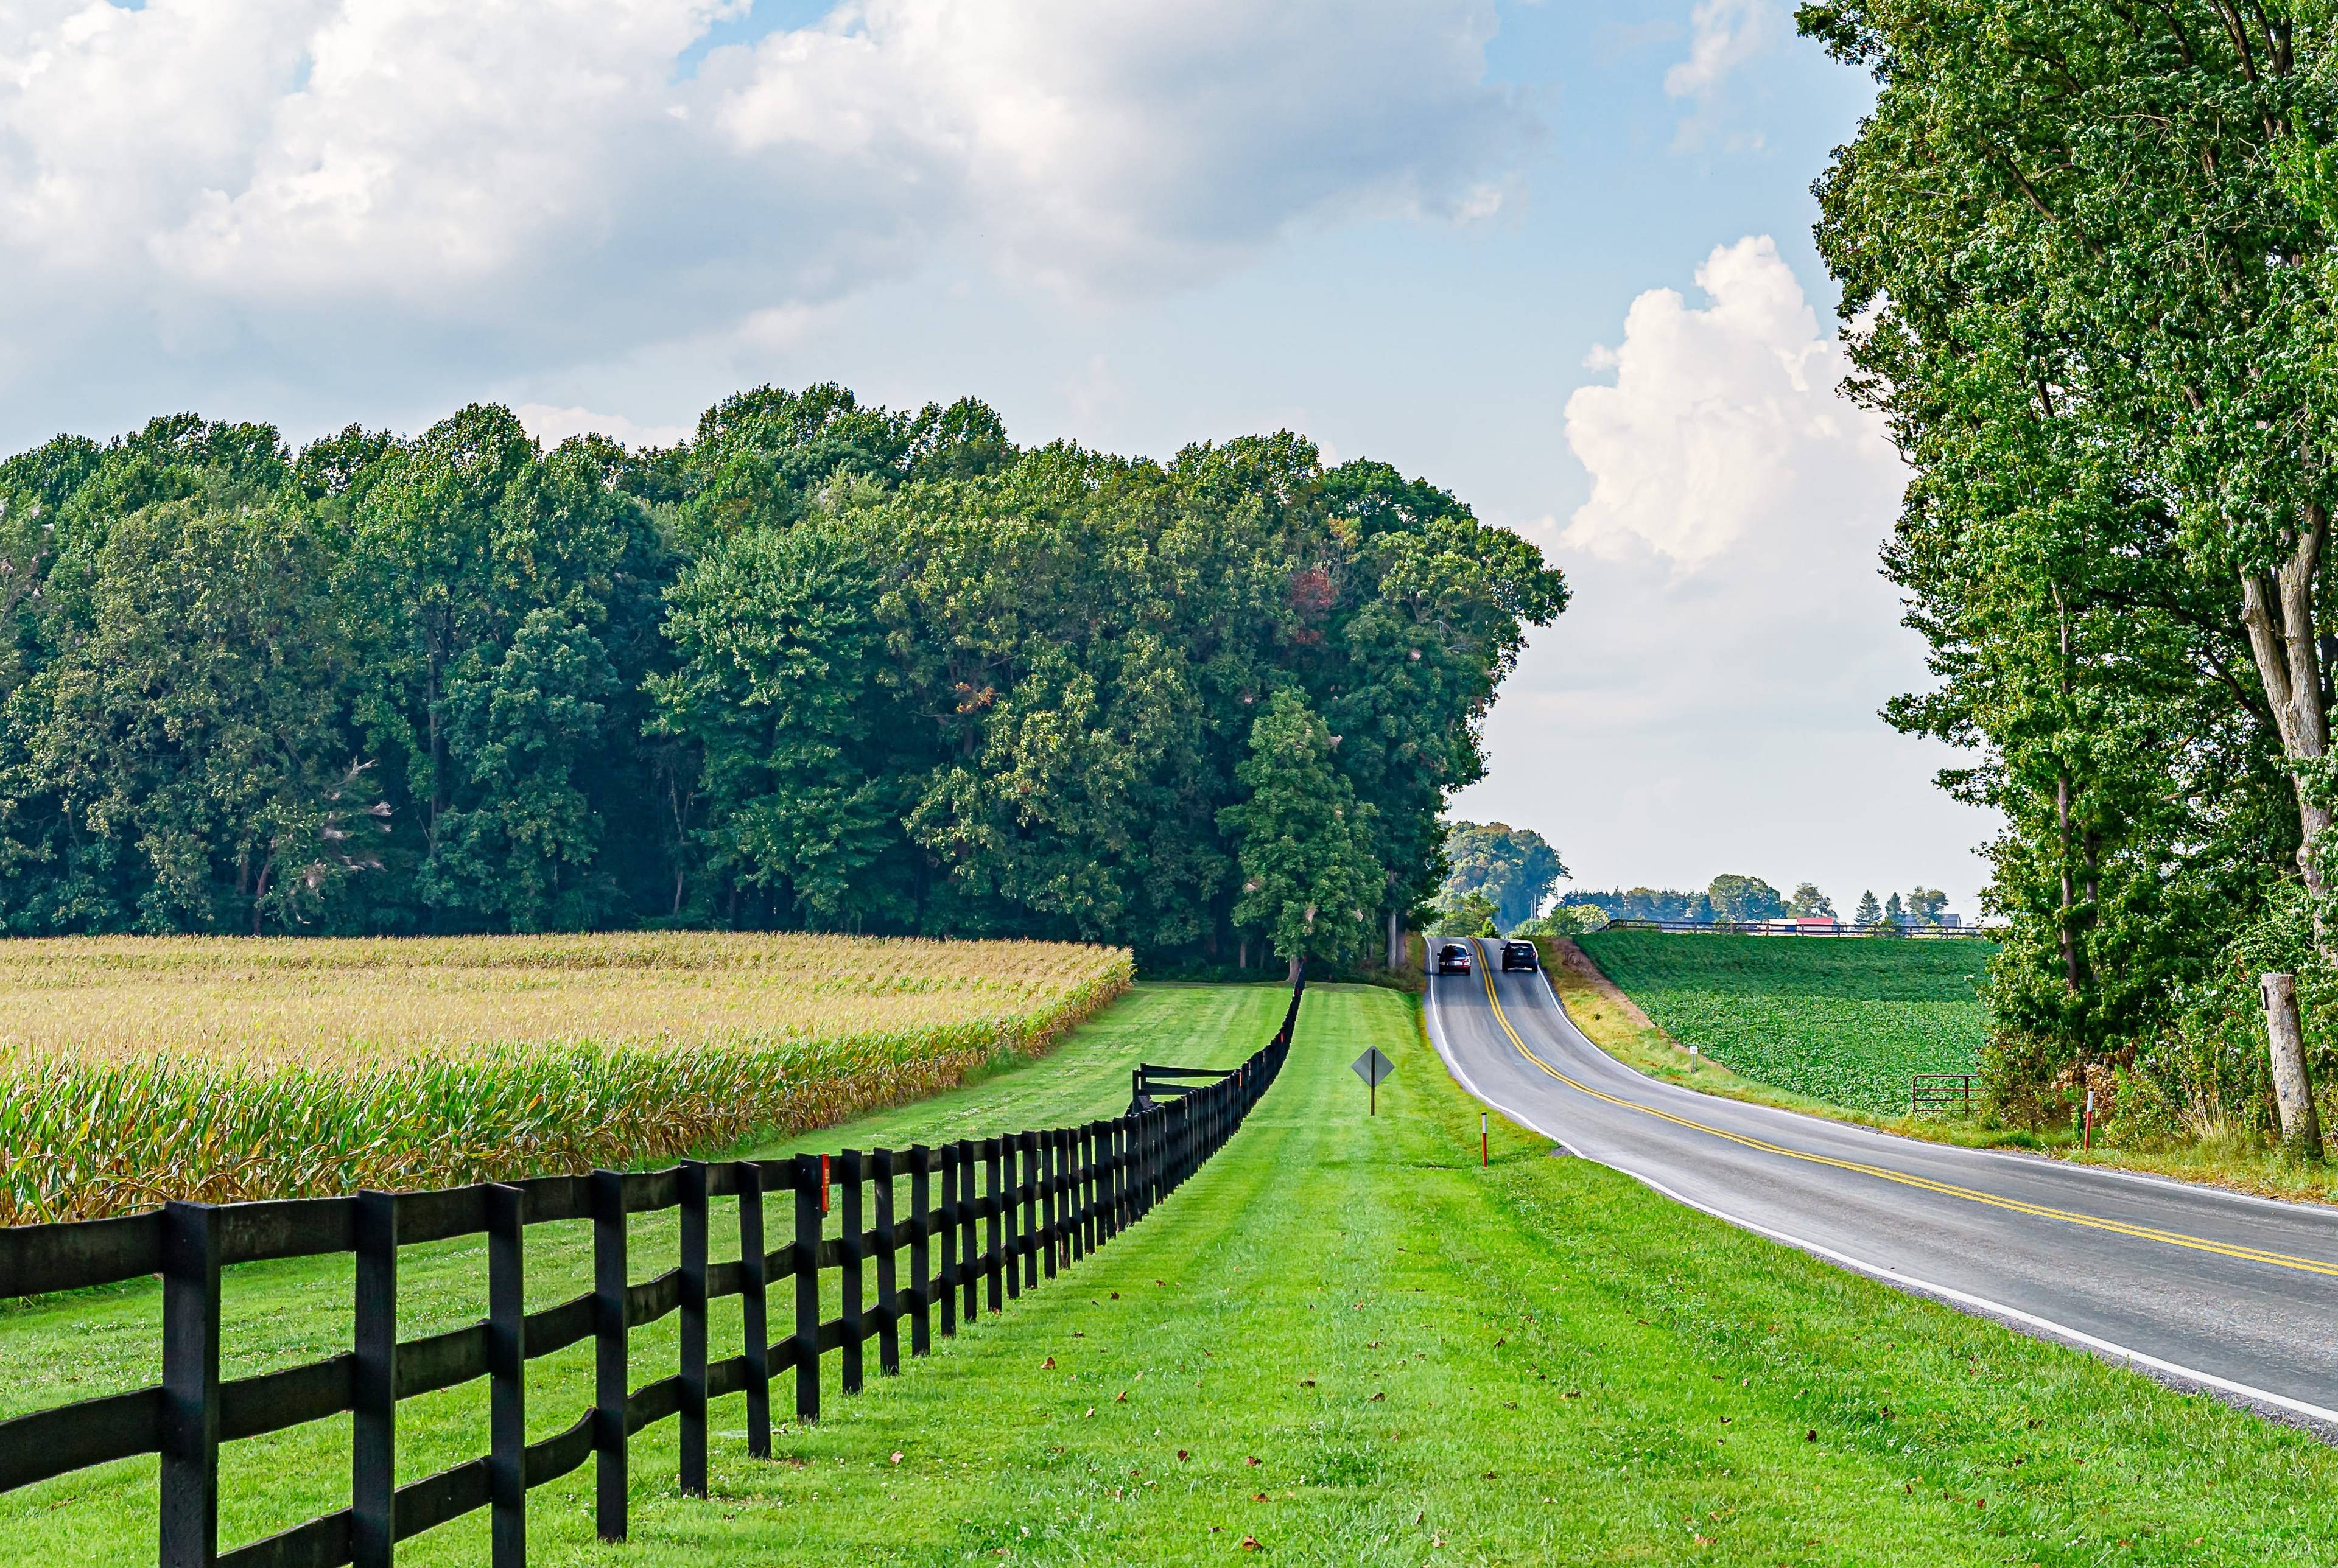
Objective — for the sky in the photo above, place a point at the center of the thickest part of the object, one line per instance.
(1554, 258)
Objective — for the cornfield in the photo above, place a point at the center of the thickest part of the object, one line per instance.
(136, 1070)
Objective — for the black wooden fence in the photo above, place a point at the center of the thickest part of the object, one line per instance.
(988, 1218)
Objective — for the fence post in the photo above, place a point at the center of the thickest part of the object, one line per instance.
(373, 1446)
(947, 1218)
(969, 1270)
(889, 1299)
(807, 1275)
(1035, 1182)
(190, 1380)
(691, 1181)
(508, 1376)
(1078, 1147)
(1114, 1177)
(610, 1370)
(754, 1280)
(998, 1210)
(1061, 1199)
(921, 1277)
(849, 1170)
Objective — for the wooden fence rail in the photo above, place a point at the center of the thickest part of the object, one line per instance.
(987, 1219)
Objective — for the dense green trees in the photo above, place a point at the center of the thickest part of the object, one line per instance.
(2083, 265)
(822, 665)
(1515, 867)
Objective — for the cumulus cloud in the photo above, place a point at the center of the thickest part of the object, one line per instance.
(1723, 421)
(469, 177)
(1722, 35)
(1731, 636)
(553, 425)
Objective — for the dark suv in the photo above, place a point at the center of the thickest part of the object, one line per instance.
(1453, 958)
(1519, 956)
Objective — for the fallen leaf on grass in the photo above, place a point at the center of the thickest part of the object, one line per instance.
(1182, 1456)
(1122, 1398)
(1048, 1365)
(1254, 1459)
(1378, 1398)
(897, 1456)
(1250, 1542)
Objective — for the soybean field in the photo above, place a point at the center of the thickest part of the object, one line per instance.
(1846, 1021)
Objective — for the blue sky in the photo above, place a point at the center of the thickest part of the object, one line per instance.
(1440, 232)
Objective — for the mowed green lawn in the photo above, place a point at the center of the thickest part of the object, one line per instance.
(1846, 1021)
(1344, 1343)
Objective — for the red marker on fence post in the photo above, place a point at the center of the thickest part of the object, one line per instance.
(1483, 1161)
(2086, 1128)
(823, 1183)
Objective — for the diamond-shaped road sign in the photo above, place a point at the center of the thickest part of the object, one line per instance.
(1373, 1068)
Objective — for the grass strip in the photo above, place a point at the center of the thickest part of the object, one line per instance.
(1344, 1343)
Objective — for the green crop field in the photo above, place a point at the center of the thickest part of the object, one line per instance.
(1844, 1021)
(1342, 1343)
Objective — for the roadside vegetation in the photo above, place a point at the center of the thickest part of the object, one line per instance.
(1342, 1343)
(134, 1069)
(2055, 287)
(2239, 1156)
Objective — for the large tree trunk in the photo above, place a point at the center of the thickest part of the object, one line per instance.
(2293, 1089)
(1395, 941)
(2277, 609)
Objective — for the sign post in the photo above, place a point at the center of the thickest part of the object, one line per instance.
(1372, 1067)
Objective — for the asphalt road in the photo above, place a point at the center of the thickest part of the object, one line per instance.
(2200, 1287)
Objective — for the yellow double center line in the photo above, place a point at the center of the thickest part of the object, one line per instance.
(2119, 1227)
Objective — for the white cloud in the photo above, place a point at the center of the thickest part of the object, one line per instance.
(1722, 35)
(553, 425)
(1723, 421)
(1715, 683)
(505, 183)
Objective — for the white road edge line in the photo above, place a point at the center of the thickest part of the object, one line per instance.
(2045, 1327)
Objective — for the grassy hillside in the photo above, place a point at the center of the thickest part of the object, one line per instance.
(1342, 1343)
(1847, 1022)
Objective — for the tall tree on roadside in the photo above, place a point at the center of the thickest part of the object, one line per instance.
(2111, 172)
(1309, 879)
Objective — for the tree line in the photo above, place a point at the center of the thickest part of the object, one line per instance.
(2086, 250)
(823, 665)
(1735, 899)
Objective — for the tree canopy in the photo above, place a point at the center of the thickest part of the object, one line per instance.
(823, 665)
(1514, 867)
(2086, 255)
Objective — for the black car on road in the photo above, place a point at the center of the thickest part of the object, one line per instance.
(1519, 956)
(1453, 958)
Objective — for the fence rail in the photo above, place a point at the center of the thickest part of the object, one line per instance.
(1815, 928)
(1045, 1199)
(1941, 1092)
